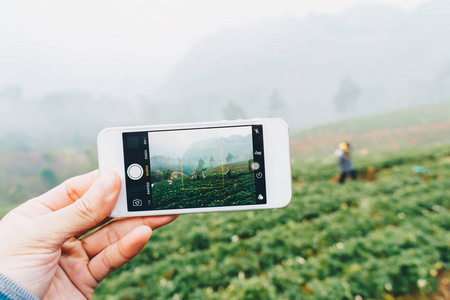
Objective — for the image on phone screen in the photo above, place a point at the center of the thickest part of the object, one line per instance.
(194, 168)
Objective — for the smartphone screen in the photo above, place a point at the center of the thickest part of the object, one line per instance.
(194, 168)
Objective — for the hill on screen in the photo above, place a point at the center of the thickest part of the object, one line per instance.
(240, 147)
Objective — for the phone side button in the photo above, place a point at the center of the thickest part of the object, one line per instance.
(135, 171)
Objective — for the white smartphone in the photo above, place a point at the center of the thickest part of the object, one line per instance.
(198, 167)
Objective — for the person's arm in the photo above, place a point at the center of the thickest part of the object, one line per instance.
(41, 249)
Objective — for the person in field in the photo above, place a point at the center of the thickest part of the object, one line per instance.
(345, 163)
(229, 173)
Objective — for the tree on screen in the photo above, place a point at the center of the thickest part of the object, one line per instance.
(201, 163)
(167, 173)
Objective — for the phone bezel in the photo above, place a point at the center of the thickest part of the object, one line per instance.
(276, 154)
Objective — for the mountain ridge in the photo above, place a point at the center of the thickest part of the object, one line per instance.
(392, 57)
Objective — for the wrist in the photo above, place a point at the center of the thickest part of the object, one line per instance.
(10, 290)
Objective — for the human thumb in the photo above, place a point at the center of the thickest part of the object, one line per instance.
(85, 213)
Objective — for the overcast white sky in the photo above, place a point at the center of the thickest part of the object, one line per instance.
(124, 47)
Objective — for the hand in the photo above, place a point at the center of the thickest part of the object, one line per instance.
(40, 247)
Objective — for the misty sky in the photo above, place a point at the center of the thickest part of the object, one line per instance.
(124, 48)
(174, 143)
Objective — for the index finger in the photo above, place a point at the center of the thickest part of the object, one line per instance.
(115, 231)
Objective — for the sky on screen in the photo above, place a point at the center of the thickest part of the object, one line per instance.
(174, 143)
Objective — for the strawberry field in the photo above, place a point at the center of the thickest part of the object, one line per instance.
(385, 235)
(215, 190)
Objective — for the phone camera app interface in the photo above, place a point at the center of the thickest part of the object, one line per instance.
(194, 168)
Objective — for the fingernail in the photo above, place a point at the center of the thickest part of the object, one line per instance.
(107, 182)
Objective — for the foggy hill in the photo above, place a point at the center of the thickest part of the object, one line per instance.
(422, 126)
(368, 59)
(309, 71)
